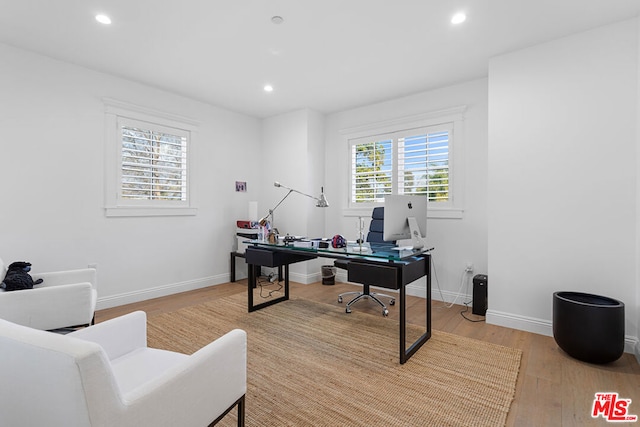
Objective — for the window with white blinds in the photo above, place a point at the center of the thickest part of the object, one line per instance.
(371, 167)
(405, 162)
(423, 165)
(148, 165)
(154, 163)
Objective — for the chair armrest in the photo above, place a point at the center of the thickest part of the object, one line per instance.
(208, 382)
(49, 307)
(57, 278)
(117, 336)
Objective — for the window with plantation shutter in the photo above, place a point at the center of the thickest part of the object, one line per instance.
(154, 163)
(148, 167)
(371, 170)
(412, 161)
(423, 165)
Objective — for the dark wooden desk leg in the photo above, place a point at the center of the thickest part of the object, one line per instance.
(403, 324)
(286, 281)
(251, 283)
(232, 270)
(404, 353)
(428, 302)
(233, 267)
(253, 272)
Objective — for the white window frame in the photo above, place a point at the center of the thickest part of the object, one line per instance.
(117, 114)
(452, 119)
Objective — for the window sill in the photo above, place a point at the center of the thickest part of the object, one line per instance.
(440, 213)
(138, 211)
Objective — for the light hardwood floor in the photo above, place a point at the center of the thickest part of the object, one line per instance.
(552, 389)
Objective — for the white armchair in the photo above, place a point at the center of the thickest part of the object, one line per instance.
(64, 299)
(105, 375)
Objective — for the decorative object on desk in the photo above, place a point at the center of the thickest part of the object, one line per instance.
(322, 202)
(289, 239)
(301, 345)
(360, 227)
(338, 241)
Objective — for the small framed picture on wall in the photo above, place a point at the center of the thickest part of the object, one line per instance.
(241, 186)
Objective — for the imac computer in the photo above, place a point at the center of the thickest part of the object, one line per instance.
(405, 217)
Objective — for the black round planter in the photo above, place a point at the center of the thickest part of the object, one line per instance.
(588, 327)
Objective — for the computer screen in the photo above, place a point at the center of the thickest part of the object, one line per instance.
(399, 212)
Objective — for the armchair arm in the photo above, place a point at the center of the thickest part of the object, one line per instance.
(207, 383)
(49, 307)
(57, 278)
(117, 336)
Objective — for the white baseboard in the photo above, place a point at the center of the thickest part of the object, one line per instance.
(545, 327)
(522, 323)
(159, 291)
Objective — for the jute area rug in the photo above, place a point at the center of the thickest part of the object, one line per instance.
(311, 364)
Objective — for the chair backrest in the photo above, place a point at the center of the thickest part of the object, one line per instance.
(51, 379)
(376, 227)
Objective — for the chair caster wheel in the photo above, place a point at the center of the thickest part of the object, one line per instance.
(385, 312)
(347, 310)
(392, 302)
(340, 300)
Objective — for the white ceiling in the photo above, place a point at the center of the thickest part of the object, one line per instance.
(328, 55)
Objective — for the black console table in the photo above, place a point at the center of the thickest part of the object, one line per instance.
(381, 265)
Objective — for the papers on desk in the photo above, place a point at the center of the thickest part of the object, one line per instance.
(411, 248)
(303, 244)
(403, 248)
(291, 238)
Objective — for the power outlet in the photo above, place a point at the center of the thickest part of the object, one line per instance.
(469, 267)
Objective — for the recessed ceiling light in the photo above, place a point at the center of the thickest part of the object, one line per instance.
(268, 88)
(277, 19)
(459, 18)
(103, 19)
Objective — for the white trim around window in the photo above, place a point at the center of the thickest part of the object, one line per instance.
(451, 119)
(122, 119)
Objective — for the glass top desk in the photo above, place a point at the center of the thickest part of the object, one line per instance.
(381, 265)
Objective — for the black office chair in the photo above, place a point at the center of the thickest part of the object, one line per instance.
(375, 235)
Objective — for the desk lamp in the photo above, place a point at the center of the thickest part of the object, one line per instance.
(322, 202)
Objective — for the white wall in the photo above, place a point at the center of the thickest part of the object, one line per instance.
(457, 241)
(563, 165)
(52, 175)
(293, 146)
